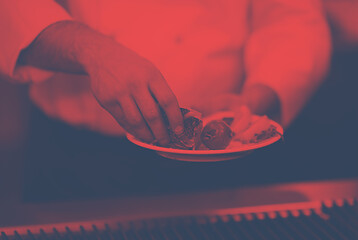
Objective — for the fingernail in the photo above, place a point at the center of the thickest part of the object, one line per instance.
(179, 130)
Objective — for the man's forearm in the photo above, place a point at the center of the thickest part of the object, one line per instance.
(288, 50)
(125, 84)
(65, 46)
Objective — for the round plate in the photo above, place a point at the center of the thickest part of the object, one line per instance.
(210, 155)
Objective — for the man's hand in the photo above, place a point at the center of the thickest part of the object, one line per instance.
(128, 86)
(133, 90)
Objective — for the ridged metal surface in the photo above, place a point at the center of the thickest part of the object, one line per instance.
(334, 220)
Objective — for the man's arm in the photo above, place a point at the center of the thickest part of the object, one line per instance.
(286, 57)
(128, 86)
(288, 51)
(59, 47)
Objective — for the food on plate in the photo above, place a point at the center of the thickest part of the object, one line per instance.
(220, 131)
(242, 120)
(192, 129)
(259, 129)
(216, 135)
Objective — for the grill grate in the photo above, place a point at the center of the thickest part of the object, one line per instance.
(335, 220)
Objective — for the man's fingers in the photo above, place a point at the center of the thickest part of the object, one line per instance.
(151, 113)
(128, 116)
(169, 104)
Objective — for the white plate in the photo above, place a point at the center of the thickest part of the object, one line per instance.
(210, 155)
